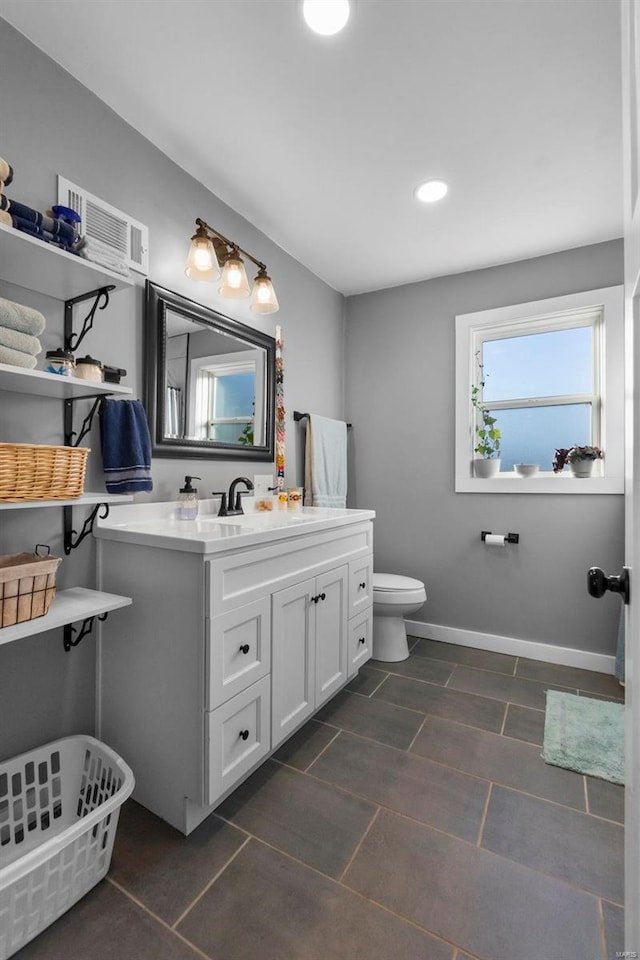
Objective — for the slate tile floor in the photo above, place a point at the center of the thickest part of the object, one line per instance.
(413, 819)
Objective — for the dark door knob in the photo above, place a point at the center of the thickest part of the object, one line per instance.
(244, 734)
(598, 583)
(245, 648)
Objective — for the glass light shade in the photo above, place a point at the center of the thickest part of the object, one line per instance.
(234, 279)
(263, 296)
(202, 263)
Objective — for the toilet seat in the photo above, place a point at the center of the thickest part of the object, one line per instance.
(389, 588)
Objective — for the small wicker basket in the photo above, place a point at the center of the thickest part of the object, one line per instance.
(31, 471)
(27, 586)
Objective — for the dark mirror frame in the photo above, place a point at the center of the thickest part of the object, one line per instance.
(158, 300)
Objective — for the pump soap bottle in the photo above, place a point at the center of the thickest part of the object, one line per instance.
(188, 500)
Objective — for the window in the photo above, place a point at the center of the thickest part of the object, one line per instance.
(228, 397)
(551, 375)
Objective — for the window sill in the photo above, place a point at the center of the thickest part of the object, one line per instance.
(543, 483)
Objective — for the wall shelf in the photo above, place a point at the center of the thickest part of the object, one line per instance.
(40, 384)
(77, 603)
(84, 500)
(45, 268)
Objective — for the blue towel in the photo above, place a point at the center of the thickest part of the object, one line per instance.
(126, 446)
(62, 231)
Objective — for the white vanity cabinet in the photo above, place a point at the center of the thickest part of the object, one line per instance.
(238, 633)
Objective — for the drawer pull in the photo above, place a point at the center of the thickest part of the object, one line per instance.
(362, 640)
(363, 584)
(323, 596)
(245, 648)
(318, 596)
(244, 734)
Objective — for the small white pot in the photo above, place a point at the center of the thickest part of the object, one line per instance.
(484, 469)
(582, 468)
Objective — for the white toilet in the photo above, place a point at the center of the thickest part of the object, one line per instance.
(394, 598)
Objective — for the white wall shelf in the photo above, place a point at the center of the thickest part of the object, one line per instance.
(77, 603)
(45, 268)
(83, 500)
(40, 384)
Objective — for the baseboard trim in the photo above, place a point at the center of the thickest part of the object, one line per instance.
(567, 656)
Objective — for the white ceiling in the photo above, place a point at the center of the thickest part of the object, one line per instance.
(320, 141)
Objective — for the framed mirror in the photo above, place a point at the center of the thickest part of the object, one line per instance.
(210, 381)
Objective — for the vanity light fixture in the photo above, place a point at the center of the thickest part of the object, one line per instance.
(326, 17)
(431, 191)
(211, 252)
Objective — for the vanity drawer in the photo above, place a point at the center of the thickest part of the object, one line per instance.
(238, 736)
(238, 651)
(360, 637)
(360, 585)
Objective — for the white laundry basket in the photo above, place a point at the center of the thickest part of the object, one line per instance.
(59, 808)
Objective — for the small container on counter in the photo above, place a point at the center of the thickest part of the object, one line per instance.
(188, 500)
(60, 362)
(282, 499)
(88, 368)
(294, 498)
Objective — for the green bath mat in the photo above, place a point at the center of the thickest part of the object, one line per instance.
(584, 735)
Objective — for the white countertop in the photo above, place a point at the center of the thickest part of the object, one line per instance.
(157, 525)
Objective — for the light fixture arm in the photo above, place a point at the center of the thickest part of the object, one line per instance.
(234, 246)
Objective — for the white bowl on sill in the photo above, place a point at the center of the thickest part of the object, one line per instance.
(526, 469)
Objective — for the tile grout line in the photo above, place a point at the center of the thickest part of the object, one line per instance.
(485, 814)
(386, 677)
(418, 732)
(326, 747)
(448, 681)
(504, 719)
(210, 884)
(163, 923)
(515, 668)
(602, 930)
(586, 794)
(359, 844)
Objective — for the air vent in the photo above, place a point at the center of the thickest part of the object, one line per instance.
(103, 222)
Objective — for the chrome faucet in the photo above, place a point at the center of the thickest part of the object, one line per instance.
(227, 506)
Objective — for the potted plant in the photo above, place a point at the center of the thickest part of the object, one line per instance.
(488, 436)
(580, 459)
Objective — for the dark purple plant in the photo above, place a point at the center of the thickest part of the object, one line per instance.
(566, 455)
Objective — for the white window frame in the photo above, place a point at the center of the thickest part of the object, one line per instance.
(602, 308)
(202, 367)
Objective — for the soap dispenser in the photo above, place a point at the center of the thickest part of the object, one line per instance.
(188, 500)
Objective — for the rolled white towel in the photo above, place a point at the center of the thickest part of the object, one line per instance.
(16, 358)
(99, 246)
(18, 317)
(118, 266)
(19, 341)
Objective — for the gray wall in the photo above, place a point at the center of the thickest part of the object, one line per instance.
(400, 398)
(51, 124)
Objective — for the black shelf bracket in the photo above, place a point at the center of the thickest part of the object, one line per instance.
(73, 637)
(71, 437)
(73, 340)
(87, 528)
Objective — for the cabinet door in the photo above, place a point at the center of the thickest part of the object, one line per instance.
(331, 632)
(293, 647)
(238, 736)
(360, 636)
(238, 650)
(360, 585)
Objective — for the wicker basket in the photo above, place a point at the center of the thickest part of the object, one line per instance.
(31, 471)
(27, 586)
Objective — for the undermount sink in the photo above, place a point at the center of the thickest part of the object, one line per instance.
(259, 520)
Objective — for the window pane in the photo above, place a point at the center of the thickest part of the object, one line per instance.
(539, 365)
(234, 395)
(532, 434)
(228, 432)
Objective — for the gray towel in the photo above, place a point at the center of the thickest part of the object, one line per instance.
(17, 317)
(16, 358)
(19, 341)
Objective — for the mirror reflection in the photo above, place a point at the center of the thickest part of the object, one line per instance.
(213, 381)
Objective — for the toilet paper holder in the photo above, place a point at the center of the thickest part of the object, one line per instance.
(510, 537)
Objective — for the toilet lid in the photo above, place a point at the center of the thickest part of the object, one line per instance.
(391, 581)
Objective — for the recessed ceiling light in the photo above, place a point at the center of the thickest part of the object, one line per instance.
(326, 17)
(431, 191)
